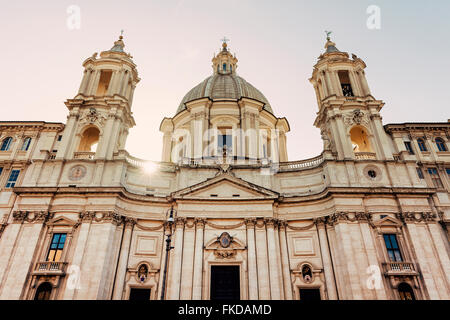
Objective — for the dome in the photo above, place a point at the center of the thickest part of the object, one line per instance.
(224, 86)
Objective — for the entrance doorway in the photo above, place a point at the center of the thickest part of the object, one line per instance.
(310, 294)
(225, 283)
(139, 294)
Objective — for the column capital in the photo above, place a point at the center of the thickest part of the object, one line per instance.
(250, 222)
(129, 222)
(180, 222)
(200, 223)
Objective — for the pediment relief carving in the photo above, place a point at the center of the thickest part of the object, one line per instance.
(225, 187)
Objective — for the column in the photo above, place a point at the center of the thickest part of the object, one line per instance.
(174, 275)
(110, 91)
(427, 275)
(275, 277)
(251, 261)
(440, 248)
(117, 82)
(84, 81)
(114, 136)
(371, 253)
(357, 91)
(123, 90)
(351, 275)
(198, 260)
(93, 83)
(330, 88)
(105, 138)
(365, 85)
(261, 259)
(167, 144)
(123, 258)
(188, 260)
(286, 270)
(326, 259)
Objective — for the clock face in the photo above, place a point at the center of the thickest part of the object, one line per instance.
(77, 173)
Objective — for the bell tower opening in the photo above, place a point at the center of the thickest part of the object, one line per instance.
(225, 283)
(346, 86)
(103, 84)
(89, 140)
(360, 139)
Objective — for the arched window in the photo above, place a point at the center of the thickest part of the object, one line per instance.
(406, 292)
(43, 291)
(224, 67)
(26, 144)
(360, 139)
(440, 144)
(421, 144)
(6, 144)
(89, 140)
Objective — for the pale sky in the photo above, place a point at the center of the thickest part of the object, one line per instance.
(277, 44)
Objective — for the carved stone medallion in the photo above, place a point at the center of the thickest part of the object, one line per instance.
(225, 240)
(77, 173)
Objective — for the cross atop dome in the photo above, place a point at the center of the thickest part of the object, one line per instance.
(224, 43)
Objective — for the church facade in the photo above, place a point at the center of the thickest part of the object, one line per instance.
(224, 215)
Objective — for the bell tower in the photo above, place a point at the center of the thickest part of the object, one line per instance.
(100, 114)
(349, 116)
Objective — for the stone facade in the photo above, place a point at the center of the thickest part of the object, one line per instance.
(225, 194)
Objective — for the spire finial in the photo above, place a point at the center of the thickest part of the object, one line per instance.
(224, 43)
(121, 34)
(330, 46)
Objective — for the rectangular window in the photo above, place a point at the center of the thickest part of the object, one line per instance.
(346, 86)
(224, 140)
(59, 138)
(12, 179)
(446, 169)
(409, 147)
(420, 173)
(56, 247)
(392, 247)
(435, 178)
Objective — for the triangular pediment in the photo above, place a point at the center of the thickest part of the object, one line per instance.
(388, 222)
(61, 221)
(225, 187)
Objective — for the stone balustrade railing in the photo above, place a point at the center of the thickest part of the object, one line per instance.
(398, 267)
(365, 156)
(48, 267)
(302, 164)
(84, 155)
